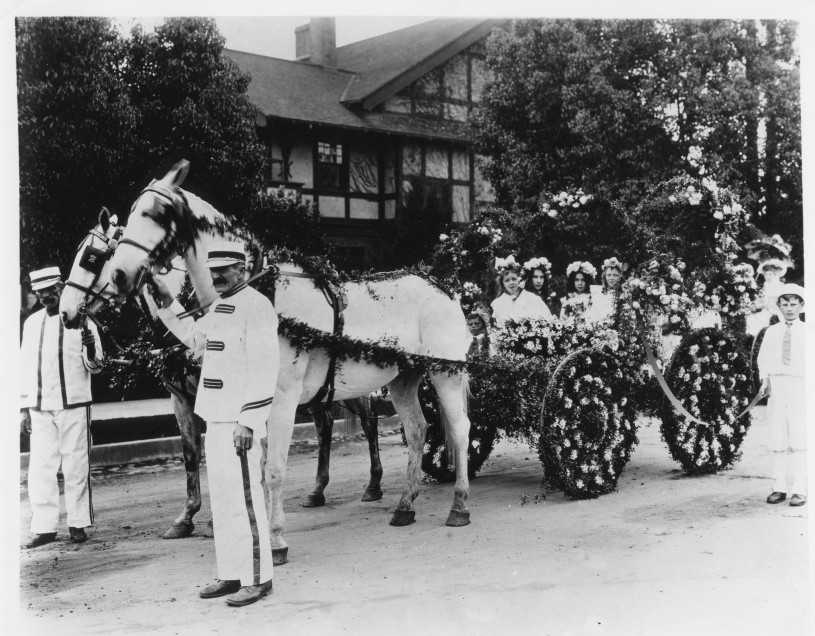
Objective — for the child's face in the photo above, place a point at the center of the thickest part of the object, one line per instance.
(511, 282)
(475, 325)
(538, 279)
(579, 283)
(790, 306)
(612, 277)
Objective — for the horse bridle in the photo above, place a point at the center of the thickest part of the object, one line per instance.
(95, 263)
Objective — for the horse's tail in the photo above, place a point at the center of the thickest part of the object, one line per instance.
(466, 394)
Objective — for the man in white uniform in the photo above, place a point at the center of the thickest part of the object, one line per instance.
(237, 340)
(56, 412)
(782, 369)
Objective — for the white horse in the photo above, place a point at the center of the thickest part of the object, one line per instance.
(88, 289)
(408, 312)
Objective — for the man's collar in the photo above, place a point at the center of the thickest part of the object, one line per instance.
(234, 290)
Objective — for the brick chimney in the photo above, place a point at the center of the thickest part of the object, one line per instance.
(316, 42)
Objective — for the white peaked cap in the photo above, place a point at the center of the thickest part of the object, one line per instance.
(791, 289)
(42, 278)
(222, 253)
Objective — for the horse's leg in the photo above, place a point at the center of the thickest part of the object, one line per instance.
(450, 389)
(324, 424)
(370, 425)
(190, 426)
(279, 431)
(405, 397)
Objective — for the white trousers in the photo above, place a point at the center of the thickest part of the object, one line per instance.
(242, 544)
(60, 437)
(786, 415)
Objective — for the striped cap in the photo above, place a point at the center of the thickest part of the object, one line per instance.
(42, 278)
(222, 253)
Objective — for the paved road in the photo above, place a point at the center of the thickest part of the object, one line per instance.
(666, 554)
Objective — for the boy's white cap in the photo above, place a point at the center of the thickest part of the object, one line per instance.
(42, 278)
(791, 289)
(222, 253)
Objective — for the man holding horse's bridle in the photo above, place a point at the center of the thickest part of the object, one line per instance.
(57, 364)
(237, 342)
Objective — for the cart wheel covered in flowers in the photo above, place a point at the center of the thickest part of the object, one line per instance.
(588, 424)
(710, 376)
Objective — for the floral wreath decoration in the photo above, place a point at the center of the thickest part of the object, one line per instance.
(769, 247)
(588, 424)
(508, 264)
(542, 263)
(583, 267)
(612, 263)
(710, 374)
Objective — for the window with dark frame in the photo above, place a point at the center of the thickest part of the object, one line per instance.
(330, 162)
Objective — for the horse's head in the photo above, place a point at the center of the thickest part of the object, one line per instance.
(158, 227)
(87, 286)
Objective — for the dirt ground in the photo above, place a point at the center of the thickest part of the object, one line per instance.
(666, 554)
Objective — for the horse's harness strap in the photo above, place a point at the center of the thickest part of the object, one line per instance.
(327, 390)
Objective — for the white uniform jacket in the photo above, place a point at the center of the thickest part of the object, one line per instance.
(769, 356)
(524, 305)
(55, 368)
(237, 342)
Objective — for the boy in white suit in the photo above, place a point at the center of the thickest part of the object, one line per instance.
(781, 367)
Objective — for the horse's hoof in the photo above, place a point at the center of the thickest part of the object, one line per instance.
(179, 530)
(280, 556)
(403, 517)
(314, 501)
(372, 494)
(457, 518)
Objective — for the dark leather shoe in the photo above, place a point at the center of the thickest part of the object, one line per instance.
(777, 497)
(78, 535)
(220, 588)
(41, 539)
(798, 500)
(248, 594)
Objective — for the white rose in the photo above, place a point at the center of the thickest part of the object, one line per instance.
(443, 237)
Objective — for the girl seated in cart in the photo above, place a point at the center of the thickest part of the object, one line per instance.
(537, 272)
(514, 302)
(604, 299)
(580, 276)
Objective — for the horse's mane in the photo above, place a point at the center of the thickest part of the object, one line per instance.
(206, 219)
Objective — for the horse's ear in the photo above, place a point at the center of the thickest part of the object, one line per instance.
(104, 218)
(179, 172)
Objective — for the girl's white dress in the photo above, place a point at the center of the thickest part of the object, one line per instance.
(524, 305)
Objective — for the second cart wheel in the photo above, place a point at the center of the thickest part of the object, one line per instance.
(710, 375)
(588, 424)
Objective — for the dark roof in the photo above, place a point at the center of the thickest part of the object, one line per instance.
(387, 63)
(301, 92)
(368, 73)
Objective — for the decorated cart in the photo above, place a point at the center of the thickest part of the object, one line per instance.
(675, 347)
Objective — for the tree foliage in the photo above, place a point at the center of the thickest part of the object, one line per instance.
(101, 114)
(617, 106)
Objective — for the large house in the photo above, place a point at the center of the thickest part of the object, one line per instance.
(374, 129)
